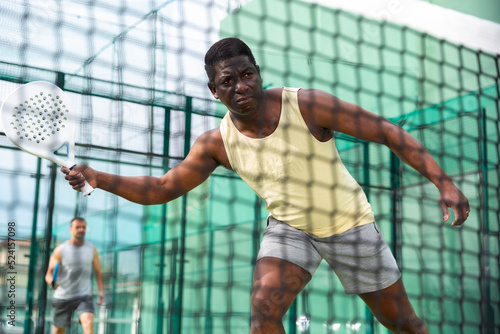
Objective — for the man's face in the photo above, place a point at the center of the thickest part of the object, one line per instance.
(78, 229)
(238, 85)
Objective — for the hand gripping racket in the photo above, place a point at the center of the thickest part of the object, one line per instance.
(36, 117)
(54, 276)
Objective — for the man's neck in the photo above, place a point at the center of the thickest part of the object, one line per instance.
(77, 242)
(261, 123)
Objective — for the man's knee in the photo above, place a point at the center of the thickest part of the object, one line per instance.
(268, 309)
(268, 302)
(276, 284)
(87, 322)
(393, 309)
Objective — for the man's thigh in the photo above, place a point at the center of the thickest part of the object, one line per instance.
(361, 259)
(85, 305)
(284, 242)
(276, 284)
(63, 309)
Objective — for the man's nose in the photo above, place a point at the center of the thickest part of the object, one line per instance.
(241, 85)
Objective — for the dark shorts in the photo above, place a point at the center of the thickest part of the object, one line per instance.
(360, 257)
(63, 309)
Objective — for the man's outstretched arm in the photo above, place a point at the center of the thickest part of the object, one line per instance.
(191, 172)
(327, 111)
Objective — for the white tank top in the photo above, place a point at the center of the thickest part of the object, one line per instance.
(75, 271)
(302, 180)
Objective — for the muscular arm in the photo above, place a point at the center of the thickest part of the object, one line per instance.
(99, 276)
(194, 170)
(55, 258)
(325, 110)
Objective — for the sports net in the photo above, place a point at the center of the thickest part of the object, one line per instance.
(134, 73)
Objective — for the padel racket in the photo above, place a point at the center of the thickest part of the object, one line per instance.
(54, 276)
(37, 118)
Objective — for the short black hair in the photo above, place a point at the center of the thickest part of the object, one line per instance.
(78, 219)
(225, 49)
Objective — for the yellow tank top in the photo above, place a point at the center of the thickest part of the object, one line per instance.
(302, 181)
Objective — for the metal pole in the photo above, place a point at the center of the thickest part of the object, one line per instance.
(210, 265)
(366, 180)
(292, 317)
(172, 310)
(161, 304)
(33, 251)
(187, 147)
(395, 203)
(488, 312)
(48, 236)
(256, 236)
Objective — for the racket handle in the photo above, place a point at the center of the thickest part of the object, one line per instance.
(54, 276)
(86, 189)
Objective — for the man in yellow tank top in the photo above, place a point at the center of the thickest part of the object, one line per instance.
(280, 141)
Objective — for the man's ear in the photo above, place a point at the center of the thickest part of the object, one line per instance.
(258, 72)
(213, 91)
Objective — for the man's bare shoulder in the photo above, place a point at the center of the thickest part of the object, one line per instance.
(211, 143)
(211, 136)
(57, 253)
(315, 102)
(208, 143)
(312, 95)
(274, 93)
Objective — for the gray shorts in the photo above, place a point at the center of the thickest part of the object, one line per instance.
(360, 257)
(63, 309)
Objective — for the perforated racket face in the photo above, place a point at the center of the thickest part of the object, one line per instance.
(37, 118)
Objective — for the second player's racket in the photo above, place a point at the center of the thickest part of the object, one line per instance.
(38, 119)
(54, 276)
